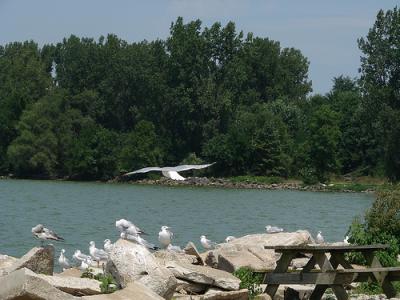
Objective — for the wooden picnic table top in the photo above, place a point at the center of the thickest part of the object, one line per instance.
(327, 248)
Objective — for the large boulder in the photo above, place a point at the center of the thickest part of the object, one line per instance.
(190, 287)
(164, 256)
(191, 249)
(21, 284)
(72, 272)
(248, 251)
(133, 290)
(204, 275)
(71, 285)
(216, 294)
(38, 259)
(132, 262)
(6, 262)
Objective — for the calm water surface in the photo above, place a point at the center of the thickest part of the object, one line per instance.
(81, 212)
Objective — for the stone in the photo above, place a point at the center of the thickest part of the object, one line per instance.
(38, 259)
(263, 297)
(71, 285)
(204, 275)
(164, 256)
(217, 294)
(133, 290)
(133, 262)
(248, 251)
(72, 272)
(21, 285)
(6, 262)
(192, 250)
(190, 287)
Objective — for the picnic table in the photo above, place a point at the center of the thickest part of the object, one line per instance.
(328, 275)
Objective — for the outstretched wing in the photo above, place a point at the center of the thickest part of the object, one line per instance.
(187, 167)
(144, 170)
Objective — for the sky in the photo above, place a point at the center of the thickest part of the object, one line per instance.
(326, 32)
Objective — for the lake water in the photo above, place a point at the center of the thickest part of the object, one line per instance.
(81, 212)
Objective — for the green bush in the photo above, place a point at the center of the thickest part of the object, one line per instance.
(249, 280)
(107, 282)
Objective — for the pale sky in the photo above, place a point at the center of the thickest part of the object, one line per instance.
(325, 31)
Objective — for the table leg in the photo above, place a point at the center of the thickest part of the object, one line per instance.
(281, 266)
(380, 277)
(325, 265)
(337, 258)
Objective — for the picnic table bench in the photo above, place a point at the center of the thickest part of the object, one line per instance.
(328, 275)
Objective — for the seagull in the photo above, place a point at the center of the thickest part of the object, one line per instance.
(165, 236)
(108, 246)
(171, 172)
(273, 229)
(173, 248)
(346, 240)
(85, 264)
(206, 243)
(229, 238)
(319, 239)
(128, 227)
(43, 233)
(97, 254)
(139, 240)
(79, 256)
(63, 261)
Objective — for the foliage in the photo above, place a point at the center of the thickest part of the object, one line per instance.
(107, 282)
(249, 280)
(381, 225)
(256, 179)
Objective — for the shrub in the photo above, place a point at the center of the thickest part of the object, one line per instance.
(249, 280)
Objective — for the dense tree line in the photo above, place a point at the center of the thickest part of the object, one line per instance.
(91, 109)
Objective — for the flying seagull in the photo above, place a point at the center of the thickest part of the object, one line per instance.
(43, 233)
(171, 172)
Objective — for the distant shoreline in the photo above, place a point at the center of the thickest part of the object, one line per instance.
(296, 185)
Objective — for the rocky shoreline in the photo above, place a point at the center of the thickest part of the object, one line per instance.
(226, 183)
(139, 273)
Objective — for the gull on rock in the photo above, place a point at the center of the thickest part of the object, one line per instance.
(128, 227)
(108, 246)
(85, 264)
(346, 240)
(206, 243)
(273, 229)
(139, 240)
(79, 256)
(97, 254)
(165, 236)
(63, 261)
(229, 238)
(319, 239)
(171, 172)
(174, 248)
(43, 233)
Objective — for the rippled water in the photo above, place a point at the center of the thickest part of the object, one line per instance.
(81, 212)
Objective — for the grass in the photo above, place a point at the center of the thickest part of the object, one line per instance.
(256, 179)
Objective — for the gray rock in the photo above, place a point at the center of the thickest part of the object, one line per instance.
(204, 275)
(21, 285)
(217, 294)
(39, 260)
(192, 250)
(248, 251)
(71, 285)
(6, 262)
(72, 272)
(164, 256)
(190, 287)
(133, 290)
(132, 262)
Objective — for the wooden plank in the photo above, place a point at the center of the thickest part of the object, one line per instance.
(281, 267)
(369, 270)
(337, 258)
(328, 248)
(309, 278)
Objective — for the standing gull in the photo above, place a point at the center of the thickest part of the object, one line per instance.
(171, 172)
(43, 233)
(79, 256)
(319, 239)
(97, 254)
(139, 240)
(229, 238)
(128, 227)
(63, 261)
(165, 236)
(108, 246)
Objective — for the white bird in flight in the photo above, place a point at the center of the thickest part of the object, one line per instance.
(43, 233)
(319, 239)
(165, 236)
(273, 229)
(171, 172)
(63, 261)
(206, 243)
